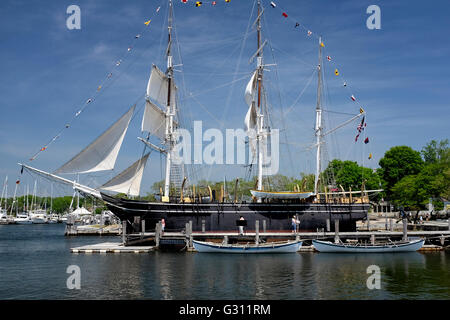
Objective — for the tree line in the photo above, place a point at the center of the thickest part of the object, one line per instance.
(409, 178)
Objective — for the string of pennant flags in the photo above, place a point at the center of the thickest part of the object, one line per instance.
(106, 82)
(337, 72)
(200, 3)
(309, 34)
(109, 78)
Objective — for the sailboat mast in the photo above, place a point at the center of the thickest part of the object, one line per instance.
(33, 199)
(260, 114)
(170, 110)
(51, 198)
(3, 192)
(78, 195)
(14, 200)
(318, 128)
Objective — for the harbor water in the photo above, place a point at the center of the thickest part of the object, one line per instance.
(34, 261)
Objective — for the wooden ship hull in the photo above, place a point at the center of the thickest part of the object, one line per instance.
(217, 216)
(285, 247)
(327, 246)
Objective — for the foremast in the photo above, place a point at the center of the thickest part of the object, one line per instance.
(170, 110)
(319, 126)
(259, 109)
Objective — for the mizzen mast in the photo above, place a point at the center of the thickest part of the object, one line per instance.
(319, 126)
(170, 110)
(260, 113)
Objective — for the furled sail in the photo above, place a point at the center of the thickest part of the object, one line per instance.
(249, 96)
(154, 120)
(129, 180)
(102, 153)
(157, 87)
(251, 116)
(250, 90)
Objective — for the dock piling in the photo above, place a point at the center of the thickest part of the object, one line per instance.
(143, 228)
(448, 224)
(190, 237)
(257, 231)
(336, 231)
(188, 234)
(405, 229)
(225, 240)
(157, 234)
(391, 225)
(372, 239)
(328, 225)
(203, 226)
(264, 226)
(124, 232)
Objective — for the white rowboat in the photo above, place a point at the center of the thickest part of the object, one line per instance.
(327, 246)
(280, 247)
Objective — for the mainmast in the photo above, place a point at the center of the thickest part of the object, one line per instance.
(170, 111)
(259, 111)
(318, 128)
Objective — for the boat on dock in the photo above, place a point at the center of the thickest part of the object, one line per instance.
(404, 246)
(39, 216)
(273, 247)
(23, 218)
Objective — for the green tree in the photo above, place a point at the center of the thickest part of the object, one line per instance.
(307, 181)
(434, 151)
(397, 163)
(349, 174)
(433, 181)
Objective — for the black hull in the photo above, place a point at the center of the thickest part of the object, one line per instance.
(222, 216)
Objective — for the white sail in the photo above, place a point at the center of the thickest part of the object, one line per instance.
(157, 87)
(251, 116)
(154, 120)
(249, 96)
(250, 91)
(102, 153)
(129, 180)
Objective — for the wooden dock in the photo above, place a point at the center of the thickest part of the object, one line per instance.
(143, 242)
(112, 247)
(93, 230)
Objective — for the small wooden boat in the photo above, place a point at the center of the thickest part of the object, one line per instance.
(273, 247)
(408, 246)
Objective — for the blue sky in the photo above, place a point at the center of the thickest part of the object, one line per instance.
(400, 74)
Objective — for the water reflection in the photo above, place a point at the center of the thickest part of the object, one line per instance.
(33, 266)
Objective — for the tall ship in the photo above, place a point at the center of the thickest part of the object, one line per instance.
(179, 200)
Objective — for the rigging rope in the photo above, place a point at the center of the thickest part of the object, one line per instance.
(98, 91)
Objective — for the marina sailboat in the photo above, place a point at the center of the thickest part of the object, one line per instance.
(179, 205)
(3, 210)
(23, 217)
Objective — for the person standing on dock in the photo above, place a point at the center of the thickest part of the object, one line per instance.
(163, 224)
(241, 227)
(295, 222)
